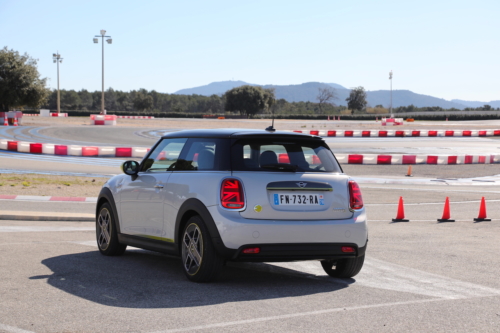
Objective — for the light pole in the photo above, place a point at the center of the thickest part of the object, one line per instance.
(109, 40)
(390, 78)
(57, 59)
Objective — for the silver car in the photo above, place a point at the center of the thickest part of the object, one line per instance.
(211, 196)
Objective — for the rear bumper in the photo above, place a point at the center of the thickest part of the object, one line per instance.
(287, 240)
(296, 252)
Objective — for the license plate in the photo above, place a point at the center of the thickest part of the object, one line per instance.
(299, 199)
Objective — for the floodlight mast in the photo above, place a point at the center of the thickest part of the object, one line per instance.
(56, 57)
(390, 78)
(109, 40)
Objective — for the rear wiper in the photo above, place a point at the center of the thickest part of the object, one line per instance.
(281, 167)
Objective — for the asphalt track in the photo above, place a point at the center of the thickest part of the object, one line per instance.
(418, 276)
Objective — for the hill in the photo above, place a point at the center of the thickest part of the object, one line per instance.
(475, 104)
(308, 91)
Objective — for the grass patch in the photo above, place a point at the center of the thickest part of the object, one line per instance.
(31, 180)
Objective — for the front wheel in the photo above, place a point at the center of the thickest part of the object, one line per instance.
(343, 268)
(200, 261)
(107, 236)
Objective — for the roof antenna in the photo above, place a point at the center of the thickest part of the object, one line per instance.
(271, 128)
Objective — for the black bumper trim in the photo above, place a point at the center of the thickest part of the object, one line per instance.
(296, 252)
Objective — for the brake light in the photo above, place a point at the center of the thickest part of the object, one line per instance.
(356, 199)
(252, 250)
(348, 249)
(231, 194)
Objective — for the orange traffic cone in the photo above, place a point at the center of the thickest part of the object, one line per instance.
(401, 212)
(482, 212)
(5, 121)
(408, 174)
(15, 122)
(446, 212)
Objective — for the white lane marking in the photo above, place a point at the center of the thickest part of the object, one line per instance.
(426, 189)
(430, 203)
(12, 329)
(375, 274)
(384, 275)
(41, 229)
(295, 315)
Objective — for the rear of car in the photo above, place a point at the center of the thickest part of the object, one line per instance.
(288, 199)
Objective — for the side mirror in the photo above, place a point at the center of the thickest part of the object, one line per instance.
(130, 168)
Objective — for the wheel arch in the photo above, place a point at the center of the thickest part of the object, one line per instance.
(106, 196)
(193, 207)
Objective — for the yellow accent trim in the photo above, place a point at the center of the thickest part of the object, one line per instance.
(169, 240)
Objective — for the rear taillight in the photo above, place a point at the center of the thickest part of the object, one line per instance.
(356, 199)
(231, 194)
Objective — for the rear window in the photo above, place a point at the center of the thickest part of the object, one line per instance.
(287, 154)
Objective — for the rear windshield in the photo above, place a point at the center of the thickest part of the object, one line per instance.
(288, 154)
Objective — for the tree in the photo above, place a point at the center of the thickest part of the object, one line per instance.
(20, 82)
(142, 101)
(325, 96)
(248, 100)
(357, 99)
(269, 99)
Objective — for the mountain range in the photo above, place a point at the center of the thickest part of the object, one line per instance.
(307, 92)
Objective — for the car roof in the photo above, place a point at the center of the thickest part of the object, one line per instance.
(232, 133)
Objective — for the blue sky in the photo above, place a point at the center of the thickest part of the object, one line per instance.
(447, 49)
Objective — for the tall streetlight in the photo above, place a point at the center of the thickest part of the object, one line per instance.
(390, 78)
(57, 59)
(109, 40)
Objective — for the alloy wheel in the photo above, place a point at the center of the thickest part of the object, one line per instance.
(192, 249)
(104, 221)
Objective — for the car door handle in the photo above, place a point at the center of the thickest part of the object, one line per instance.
(158, 186)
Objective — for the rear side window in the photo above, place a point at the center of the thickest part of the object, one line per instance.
(200, 154)
(288, 154)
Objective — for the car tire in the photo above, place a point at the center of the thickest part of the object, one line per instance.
(343, 268)
(106, 234)
(200, 261)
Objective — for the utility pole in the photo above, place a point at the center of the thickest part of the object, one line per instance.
(390, 78)
(109, 41)
(56, 57)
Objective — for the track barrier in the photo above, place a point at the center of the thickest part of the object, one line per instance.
(446, 212)
(401, 133)
(400, 217)
(482, 212)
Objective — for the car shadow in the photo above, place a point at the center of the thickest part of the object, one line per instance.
(143, 279)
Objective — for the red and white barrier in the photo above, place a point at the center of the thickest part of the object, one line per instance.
(402, 133)
(392, 121)
(13, 118)
(55, 114)
(71, 150)
(103, 119)
(139, 152)
(136, 117)
(417, 159)
(43, 198)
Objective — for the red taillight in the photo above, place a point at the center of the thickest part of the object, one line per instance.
(231, 194)
(348, 249)
(356, 199)
(252, 250)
